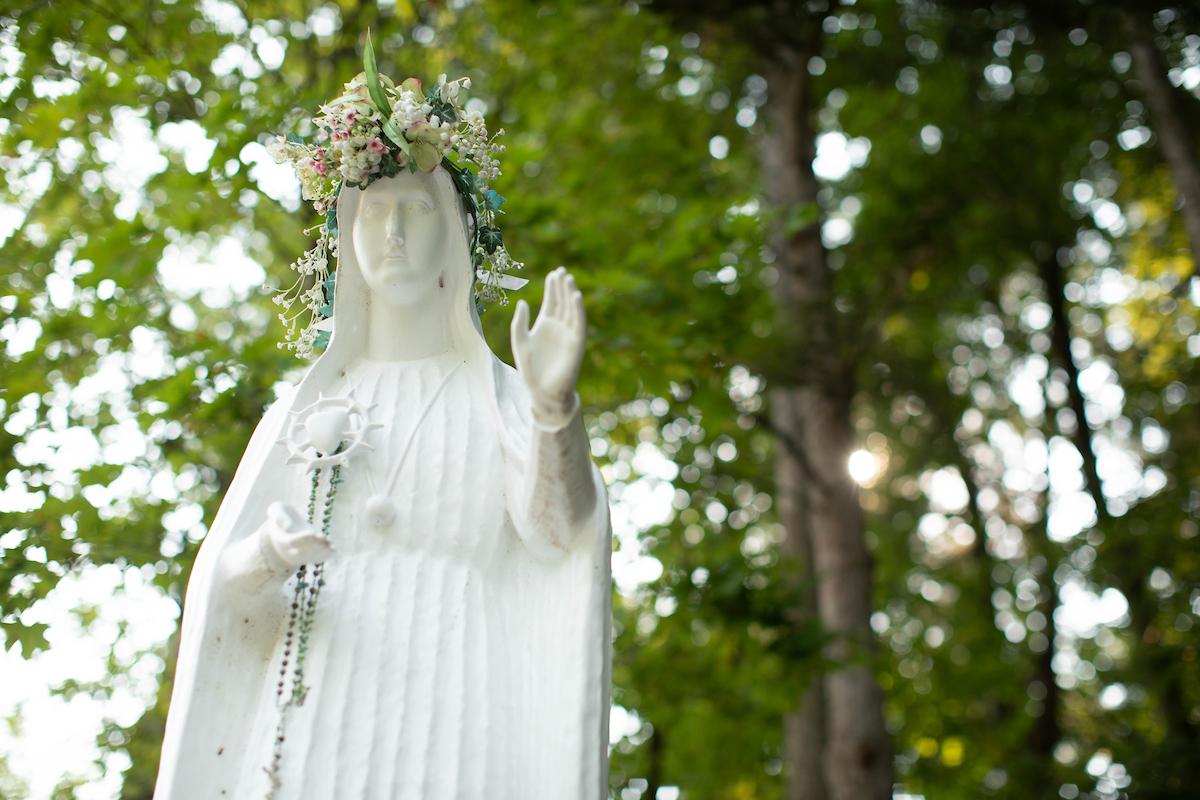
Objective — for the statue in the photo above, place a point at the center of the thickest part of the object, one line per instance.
(406, 590)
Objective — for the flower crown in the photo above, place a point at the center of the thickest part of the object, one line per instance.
(374, 130)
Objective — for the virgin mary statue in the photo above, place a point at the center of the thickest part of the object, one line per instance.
(452, 569)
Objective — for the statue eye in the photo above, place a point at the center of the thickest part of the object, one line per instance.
(420, 206)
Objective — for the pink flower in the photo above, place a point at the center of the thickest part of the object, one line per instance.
(375, 146)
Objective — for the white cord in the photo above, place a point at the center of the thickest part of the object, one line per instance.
(394, 473)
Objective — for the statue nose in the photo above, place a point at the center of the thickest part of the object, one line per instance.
(395, 241)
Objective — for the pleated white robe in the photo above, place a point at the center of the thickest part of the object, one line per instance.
(410, 694)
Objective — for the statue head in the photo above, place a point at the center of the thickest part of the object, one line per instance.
(367, 137)
(404, 263)
(401, 242)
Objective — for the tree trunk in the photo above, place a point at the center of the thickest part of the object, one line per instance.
(804, 728)
(1047, 727)
(1121, 557)
(1060, 342)
(813, 417)
(654, 771)
(1163, 100)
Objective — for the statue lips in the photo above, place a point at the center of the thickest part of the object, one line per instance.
(398, 265)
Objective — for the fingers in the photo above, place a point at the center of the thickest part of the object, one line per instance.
(551, 297)
(580, 321)
(571, 302)
(303, 546)
(571, 298)
(520, 325)
(561, 300)
(312, 547)
(561, 306)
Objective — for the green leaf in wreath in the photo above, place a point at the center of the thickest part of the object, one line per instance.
(373, 86)
(394, 133)
(489, 239)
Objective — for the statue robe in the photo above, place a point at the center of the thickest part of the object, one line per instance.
(454, 655)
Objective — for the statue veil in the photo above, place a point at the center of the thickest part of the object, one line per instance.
(556, 612)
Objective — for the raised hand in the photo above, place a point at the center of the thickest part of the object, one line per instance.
(549, 354)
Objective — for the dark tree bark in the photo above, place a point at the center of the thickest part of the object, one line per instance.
(1060, 342)
(1047, 728)
(654, 773)
(1123, 564)
(1176, 142)
(812, 414)
(1047, 725)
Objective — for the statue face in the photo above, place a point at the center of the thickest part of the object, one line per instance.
(399, 237)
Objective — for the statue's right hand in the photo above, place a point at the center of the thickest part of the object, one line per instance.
(291, 540)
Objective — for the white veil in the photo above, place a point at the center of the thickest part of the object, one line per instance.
(564, 607)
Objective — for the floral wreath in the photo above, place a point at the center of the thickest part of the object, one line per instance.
(373, 130)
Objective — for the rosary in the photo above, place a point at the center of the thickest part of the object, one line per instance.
(300, 620)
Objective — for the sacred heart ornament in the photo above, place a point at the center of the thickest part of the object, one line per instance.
(326, 429)
(330, 431)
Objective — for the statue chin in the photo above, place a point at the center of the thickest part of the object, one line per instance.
(401, 283)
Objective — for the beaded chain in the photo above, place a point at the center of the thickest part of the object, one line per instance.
(300, 620)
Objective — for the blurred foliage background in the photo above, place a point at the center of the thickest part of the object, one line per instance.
(892, 364)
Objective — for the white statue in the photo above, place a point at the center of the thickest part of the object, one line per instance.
(454, 614)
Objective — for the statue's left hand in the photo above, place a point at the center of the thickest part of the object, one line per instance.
(549, 355)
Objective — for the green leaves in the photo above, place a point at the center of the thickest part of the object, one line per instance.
(373, 87)
(493, 200)
(489, 238)
(31, 637)
(379, 97)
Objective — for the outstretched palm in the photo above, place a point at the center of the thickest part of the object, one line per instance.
(548, 355)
